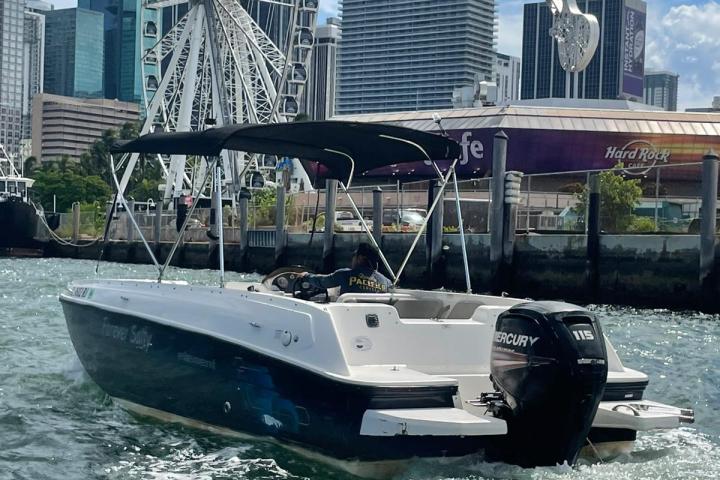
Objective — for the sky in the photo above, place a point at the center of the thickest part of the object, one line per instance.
(683, 36)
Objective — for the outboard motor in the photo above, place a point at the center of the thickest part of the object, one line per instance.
(549, 367)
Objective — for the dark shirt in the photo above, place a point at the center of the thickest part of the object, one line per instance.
(355, 280)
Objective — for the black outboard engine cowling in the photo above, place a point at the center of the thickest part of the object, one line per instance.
(549, 364)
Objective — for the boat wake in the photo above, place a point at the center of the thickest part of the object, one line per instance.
(668, 455)
(191, 463)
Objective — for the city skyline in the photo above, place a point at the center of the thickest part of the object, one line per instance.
(681, 37)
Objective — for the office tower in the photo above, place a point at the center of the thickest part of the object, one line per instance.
(65, 126)
(661, 90)
(615, 72)
(11, 74)
(411, 55)
(74, 48)
(33, 57)
(319, 97)
(129, 30)
(507, 78)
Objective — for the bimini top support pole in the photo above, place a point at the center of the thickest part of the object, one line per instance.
(181, 233)
(367, 231)
(217, 192)
(462, 233)
(121, 197)
(443, 184)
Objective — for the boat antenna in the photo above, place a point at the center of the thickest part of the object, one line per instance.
(438, 120)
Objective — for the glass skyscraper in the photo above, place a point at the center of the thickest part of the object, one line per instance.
(74, 50)
(33, 57)
(615, 72)
(129, 31)
(412, 54)
(12, 20)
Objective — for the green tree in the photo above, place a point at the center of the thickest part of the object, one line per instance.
(30, 165)
(65, 164)
(69, 187)
(618, 198)
(96, 160)
(145, 190)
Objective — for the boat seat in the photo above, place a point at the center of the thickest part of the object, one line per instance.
(406, 305)
(385, 298)
(463, 310)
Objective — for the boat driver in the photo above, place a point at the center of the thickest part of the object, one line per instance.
(361, 277)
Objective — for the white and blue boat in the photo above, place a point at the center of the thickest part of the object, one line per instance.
(363, 381)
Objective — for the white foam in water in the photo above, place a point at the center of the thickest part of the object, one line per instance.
(190, 463)
(74, 371)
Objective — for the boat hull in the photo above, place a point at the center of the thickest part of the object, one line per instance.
(221, 384)
(18, 225)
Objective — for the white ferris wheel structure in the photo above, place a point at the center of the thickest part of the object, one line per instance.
(224, 62)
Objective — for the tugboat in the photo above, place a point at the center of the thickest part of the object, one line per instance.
(362, 381)
(18, 216)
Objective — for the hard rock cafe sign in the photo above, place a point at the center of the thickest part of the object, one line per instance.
(638, 157)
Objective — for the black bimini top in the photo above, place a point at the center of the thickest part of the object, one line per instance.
(341, 147)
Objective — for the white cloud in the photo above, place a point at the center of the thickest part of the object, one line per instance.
(328, 8)
(686, 39)
(510, 28)
(59, 4)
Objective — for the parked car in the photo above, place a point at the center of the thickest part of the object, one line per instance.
(345, 222)
(407, 219)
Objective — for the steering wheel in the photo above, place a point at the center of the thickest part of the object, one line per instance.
(287, 280)
(282, 279)
(303, 290)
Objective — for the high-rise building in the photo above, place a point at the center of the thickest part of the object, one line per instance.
(615, 72)
(319, 98)
(129, 30)
(12, 27)
(65, 126)
(33, 57)
(507, 78)
(74, 49)
(661, 90)
(412, 54)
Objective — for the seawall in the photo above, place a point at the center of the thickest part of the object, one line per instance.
(659, 271)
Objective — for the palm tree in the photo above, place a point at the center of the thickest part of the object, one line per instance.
(30, 165)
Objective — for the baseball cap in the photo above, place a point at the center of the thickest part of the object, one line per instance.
(368, 251)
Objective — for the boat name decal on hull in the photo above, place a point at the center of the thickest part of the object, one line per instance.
(138, 336)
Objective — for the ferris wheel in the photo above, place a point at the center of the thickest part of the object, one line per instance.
(223, 62)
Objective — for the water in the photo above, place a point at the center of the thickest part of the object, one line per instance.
(56, 424)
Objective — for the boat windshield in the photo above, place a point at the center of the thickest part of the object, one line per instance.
(3, 186)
